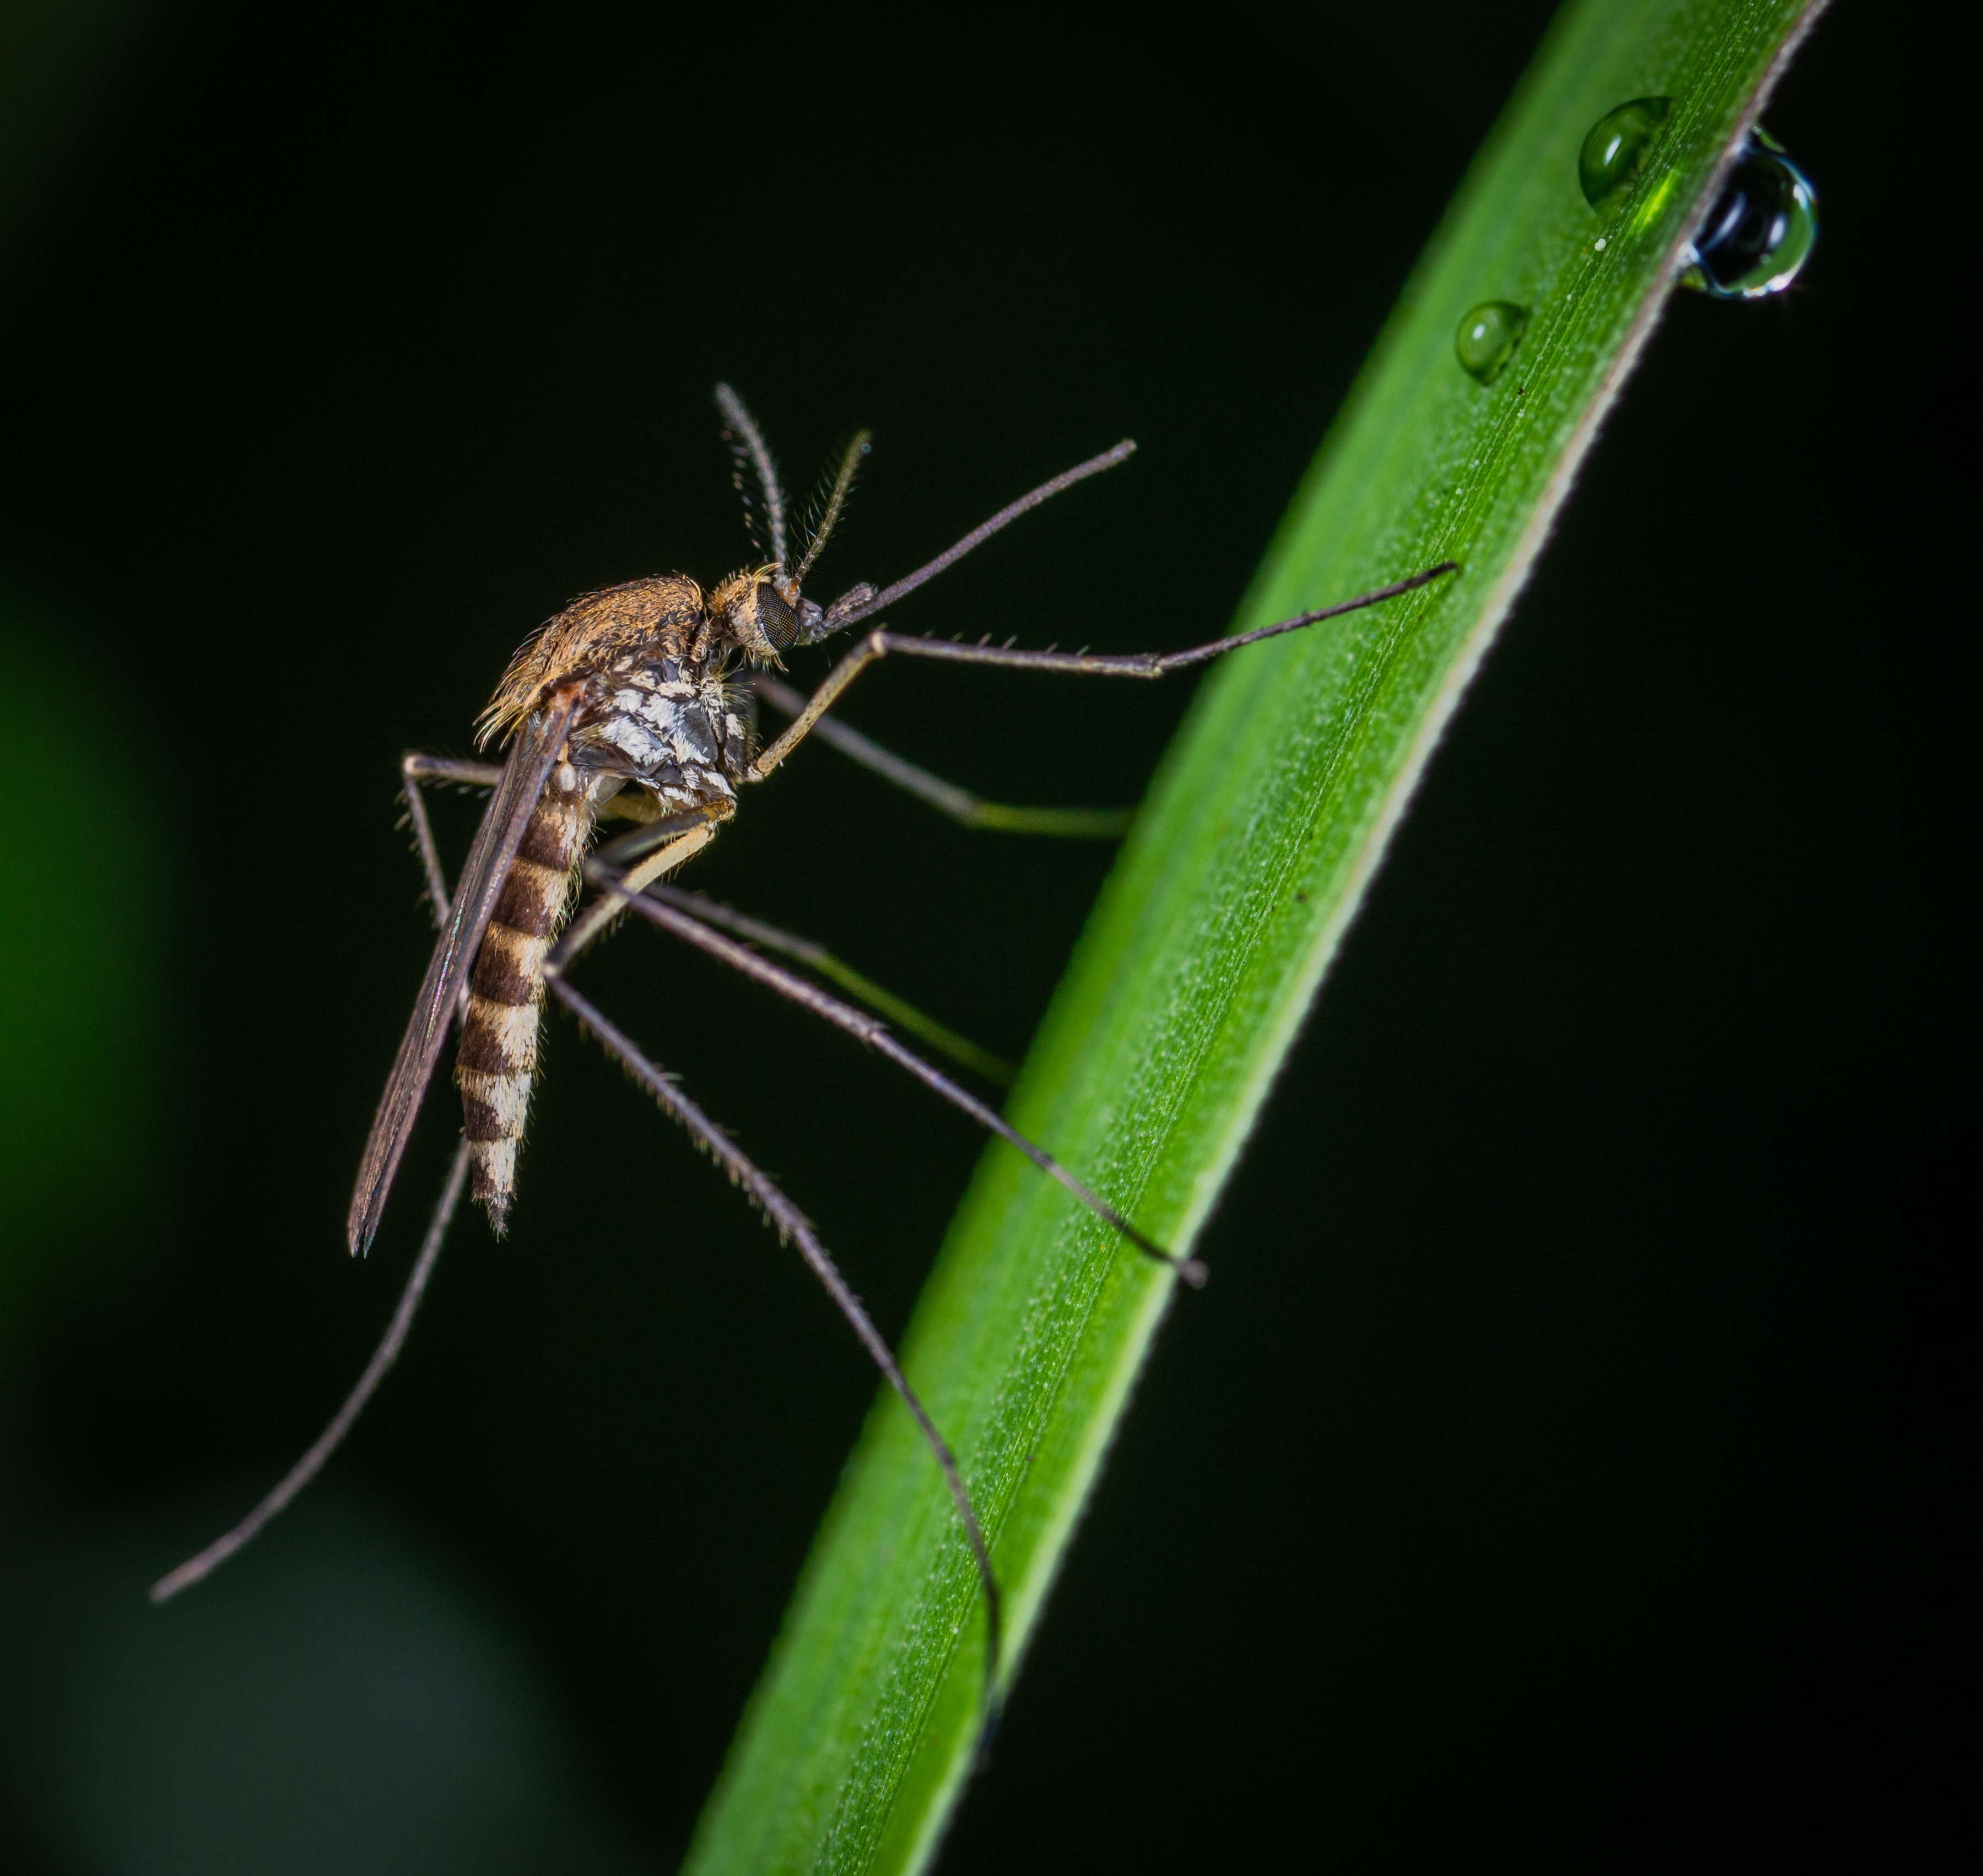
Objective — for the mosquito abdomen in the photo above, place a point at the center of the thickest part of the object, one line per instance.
(498, 1056)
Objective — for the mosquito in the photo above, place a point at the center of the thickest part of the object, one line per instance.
(638, 702)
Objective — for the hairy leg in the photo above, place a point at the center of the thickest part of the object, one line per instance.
(792, 1227)
(878, 644)
(866, 1030)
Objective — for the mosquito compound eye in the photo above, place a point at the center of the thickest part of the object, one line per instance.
(774, 616)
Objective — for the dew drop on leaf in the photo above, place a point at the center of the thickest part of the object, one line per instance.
(1757, 238)
(1488, 337)
(1615, 147)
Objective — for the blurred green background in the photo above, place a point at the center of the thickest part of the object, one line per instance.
(1584, 1485)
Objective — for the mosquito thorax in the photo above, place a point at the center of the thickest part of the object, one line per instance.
(613, 630)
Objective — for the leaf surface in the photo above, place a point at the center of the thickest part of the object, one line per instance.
(1203, 955)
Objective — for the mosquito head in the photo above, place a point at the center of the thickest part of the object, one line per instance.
(761, 613)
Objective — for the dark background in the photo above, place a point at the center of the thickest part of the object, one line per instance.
(1560, 1452)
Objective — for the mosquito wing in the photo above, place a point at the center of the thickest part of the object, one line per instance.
(531, 758)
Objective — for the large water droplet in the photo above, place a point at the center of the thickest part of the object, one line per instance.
(1616, 149)
(1760, 230)
(1488, 337)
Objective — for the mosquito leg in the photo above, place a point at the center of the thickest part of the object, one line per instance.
(960, 1049)
(792, 1227)
(602, 912)
(879, 644)
(194, 1569)
(197, 1568)
(1149, 663)
(451, 768)
(866, 1029)
(439, 900)
(821, 700)
(786, 1218)
(412, 767)
(1099, 823)
(651, 837)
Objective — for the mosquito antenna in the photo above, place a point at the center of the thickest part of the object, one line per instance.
(747, 446)
(865, 601)
(830, 516)
(194, 1569)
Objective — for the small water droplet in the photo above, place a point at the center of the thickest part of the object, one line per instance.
(1762, 229)
(1616, 146)
(1488, 337)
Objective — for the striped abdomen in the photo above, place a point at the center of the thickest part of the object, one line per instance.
(499, 1040)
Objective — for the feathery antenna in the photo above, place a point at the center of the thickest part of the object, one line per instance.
(850, 464)
(747, 447)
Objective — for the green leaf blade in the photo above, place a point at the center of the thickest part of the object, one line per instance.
(1203, 956)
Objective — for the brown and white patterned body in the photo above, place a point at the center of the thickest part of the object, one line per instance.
(662, 717)
(498, 1057)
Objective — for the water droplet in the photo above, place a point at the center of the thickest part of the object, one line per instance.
(1762, 229)
(1616, 147)
(1488, 337)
